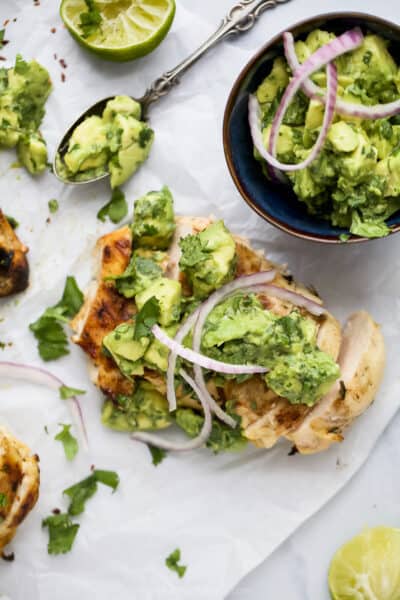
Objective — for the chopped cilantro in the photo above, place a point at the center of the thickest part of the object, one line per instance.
(53, 205)
(172, 563)
(62, 533)
(2, 40)
(343, 237)
(21, 66)
(13, 222)
(157, 454)
(90, 21)
(2, 345)
(146, 318)
(3, 500)
(145, 136)
(68, 392)
(85, 489)
(48, 330)
(116, 209)
(69, 442)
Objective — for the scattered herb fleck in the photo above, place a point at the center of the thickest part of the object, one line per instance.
(90, 21)
(343, 237)
(146, 318)
(172, 563)
(69, 442)
(48, 329)
(68, 392)
(116, 209)
(53, 205)
(157, 454)
(62, 533)
(85, 489)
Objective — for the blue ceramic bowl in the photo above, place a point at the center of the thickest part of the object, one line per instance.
(276, 203)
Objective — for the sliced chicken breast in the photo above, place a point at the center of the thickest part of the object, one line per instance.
(19, 485)
(361, 361)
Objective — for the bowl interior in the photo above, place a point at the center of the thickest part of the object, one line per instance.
(276, 203)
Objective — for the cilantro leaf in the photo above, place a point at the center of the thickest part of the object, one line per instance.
(116, 209)
(69, 442)
(172, 563)
(53, 205)
(53, 342)
(109, 478)
(68, 392)
(62, 533)
(90, 21)
(13, 222)
(3, 500)
(85, 489)
(21, 66)
(157, 454)
(146, 318)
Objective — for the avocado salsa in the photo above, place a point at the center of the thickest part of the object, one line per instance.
(118, 142)
(239, 330)
(24, 90)
(355, 180)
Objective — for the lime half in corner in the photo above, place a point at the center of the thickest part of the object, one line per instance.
(118, 30)
(367, 567)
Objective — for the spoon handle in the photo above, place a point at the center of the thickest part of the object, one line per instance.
(240, 19)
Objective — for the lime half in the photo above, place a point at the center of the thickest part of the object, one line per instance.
(367, 567)
(118, 30)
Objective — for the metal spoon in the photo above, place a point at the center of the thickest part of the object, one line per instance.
(240, 18)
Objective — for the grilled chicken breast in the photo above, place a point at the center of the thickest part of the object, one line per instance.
(265, 417)
(14, 268)
(19, 485)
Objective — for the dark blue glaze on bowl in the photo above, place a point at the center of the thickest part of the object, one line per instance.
(277, 203)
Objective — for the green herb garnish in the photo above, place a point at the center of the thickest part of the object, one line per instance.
(53, 205)
(13, 222)
(62, 533)
(90, 21)
(69, 442)
(48, 329)
(116, 209)
(68, 392)
(157, 454)
(85, 489)
(3, 500)
(146, 318)
(172, 563)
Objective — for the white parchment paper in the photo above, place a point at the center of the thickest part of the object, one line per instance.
(225, 513)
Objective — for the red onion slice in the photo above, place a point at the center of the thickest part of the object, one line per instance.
(201, 359)
(377, 111)
(269, 155)
(179, 337)
(160, 442)
(39, 376)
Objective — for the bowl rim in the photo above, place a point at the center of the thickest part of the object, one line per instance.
(313, 237)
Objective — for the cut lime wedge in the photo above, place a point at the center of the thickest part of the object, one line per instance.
(118, 30)
(367, 567)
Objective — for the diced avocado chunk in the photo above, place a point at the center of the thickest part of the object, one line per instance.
(389, 168)
(125, 350)
(315, 115)
(24, 89)
(87, 144)
(141, 272)
(156, 355)
(318, 38)
(135, 144)
(145, 409)
(343, 137)
(122, 105)
(168, 292)
(222, 438)
(276, 81)
(32, 153)
(303, 378)
(117, 142)
(208, 258)
(154, 220)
